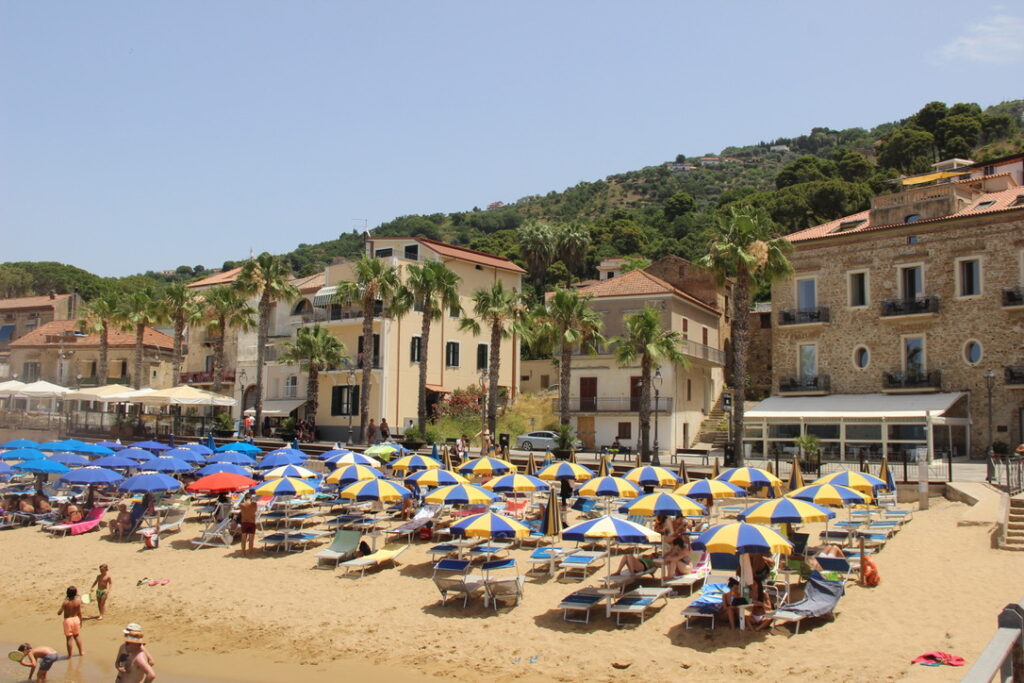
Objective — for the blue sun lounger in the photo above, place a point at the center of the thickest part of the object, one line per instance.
(582, 561)
(707, 603)
(637, 601)
(580, 601)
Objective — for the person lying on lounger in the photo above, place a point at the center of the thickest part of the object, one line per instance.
(631, 564)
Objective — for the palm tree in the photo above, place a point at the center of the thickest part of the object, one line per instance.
(567, 321)
(314, 350)
(745, 249)
(181, 307)
(374, 282)
(505, 312)
(537, 247)
(434, 288)
(137, 311)
(265, 277)
(573, 242)
(645, 338)
(225, 309)
(100, 314)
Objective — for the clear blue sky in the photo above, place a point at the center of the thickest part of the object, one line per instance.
(146, 135)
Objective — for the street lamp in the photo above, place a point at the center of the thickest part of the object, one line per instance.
(351, 407)
(658, 379)
(990, 380)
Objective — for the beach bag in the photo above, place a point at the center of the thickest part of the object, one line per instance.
(152, 541)
(426, 533)
(871, 575)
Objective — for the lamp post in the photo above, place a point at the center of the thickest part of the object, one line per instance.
(990, 380)
(351, 407)
(658, 379)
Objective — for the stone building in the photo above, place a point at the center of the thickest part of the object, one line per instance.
(921, 294)
(21, 315)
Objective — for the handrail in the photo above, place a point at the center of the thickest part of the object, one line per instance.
(1004, 654)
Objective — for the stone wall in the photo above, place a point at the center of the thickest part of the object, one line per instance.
(759, 356)
(997, 239)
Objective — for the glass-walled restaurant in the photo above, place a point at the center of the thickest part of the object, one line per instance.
(858, 427)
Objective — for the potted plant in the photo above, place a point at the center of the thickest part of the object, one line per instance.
(223, 425)
(810, 446)
(565, 439)
(286, 429)
(414, 439)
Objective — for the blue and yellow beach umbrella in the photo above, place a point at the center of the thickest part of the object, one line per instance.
(785, 511)
(671, 504)
(516, 483)
(433, 478)
(712, 489)
(380, 490)
(293, 471)
(609, 487)
(858, 481)
(652, 475)
(563, 470)
(413, 463)
(286, 486)
(488, 467)
(750, 477)
(460, 494)
(350, 474)
(740, 537)
(490, 525)
(342, 457)
(830, 494)
(611, 528)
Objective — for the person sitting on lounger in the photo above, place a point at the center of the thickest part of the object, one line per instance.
(632, 564)
(731, 601)
(25, 505)
(42, 504)
(73, 513)
(677, 558)
(123, 523)
(757, 618)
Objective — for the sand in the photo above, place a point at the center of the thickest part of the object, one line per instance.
(272, 618)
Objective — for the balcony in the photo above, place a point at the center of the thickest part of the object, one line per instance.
(804, 316)
(1013, 376)
(814, 385)
(615, 404)
(1013, 297)
(923, 305)
(911, 382)
(206, 377)
(704, 352)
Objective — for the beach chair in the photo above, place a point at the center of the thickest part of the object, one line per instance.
(488, 551)
(138, 513)
(706, 604)
(217, 535)
(582, 561)
(875, 538)
(700, 572)
(88, 523)
(840, 566)
(442, 550)
(289, 541)
(799, 542)
(637, 602)
(387, 554)
(580, 601)
(425, 515)
(452, 576)
(723, 566)
(587, 507)
(172, 522)
(344, 546)
(547, 557)
(505, 587)
(623, 581)
(840, 537)
(820, 598)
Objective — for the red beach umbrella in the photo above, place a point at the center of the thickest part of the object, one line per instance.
(221, 482)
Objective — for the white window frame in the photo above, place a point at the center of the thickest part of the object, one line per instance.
(899, 279)
(924, 350)
(796, 291)
(963, 352)
(958, 277)
(867, 288)
(799, 359)
(853, 358)
(291, 386)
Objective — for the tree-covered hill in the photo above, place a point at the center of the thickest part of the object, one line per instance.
(659, 209)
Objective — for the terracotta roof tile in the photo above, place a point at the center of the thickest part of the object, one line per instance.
(31, 302)
(221, 278)
(461, 253)
(310, 283)
(115, 338)
(639, 283)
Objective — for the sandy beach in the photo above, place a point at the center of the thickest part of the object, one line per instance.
(270, 618)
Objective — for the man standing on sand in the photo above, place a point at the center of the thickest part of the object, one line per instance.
(40, 656)
(134, 664)
(248, 512)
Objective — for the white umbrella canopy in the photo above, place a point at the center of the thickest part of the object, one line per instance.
(183, 396)
(102, 394)
(10, 387)
(41, 389)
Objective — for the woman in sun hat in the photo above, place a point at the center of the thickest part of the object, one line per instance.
(134, 664)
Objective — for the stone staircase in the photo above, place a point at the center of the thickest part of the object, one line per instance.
(1014, 537)
(714, 429)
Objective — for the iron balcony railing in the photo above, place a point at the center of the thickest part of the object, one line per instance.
(932, 379)
(924, 304)
(614, 404)
(1014, 375)
(702, 352)
(206, 377)
(804, 316)
(793, 385)
(1013, 296)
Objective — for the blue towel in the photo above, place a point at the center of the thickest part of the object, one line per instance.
(629, 602)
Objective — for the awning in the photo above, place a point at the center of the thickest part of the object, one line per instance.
(282, 408)
(836, 406)
(324, 295)
(918, 179)
(436, 389)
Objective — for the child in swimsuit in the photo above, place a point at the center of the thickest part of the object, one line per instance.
(71, 610)
(102, 583)
(39, 656)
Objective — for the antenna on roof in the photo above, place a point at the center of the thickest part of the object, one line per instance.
(365, 222)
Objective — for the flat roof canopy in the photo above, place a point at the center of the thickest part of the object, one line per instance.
(855, 406)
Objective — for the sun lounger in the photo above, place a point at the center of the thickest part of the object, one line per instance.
(547, 557)
(622, 581)
(503, 587)
(820, 598)
(706, 604)
(290, 540)
(389, 553)
(442, 550)
(582, 561)
(840, 566)
(701, 570)
(172, 522)
(840, 537)
(637, 602)
(90, 522)
(217, 535)
(452, 576)
(488, 551)
(580, 601)
(344, 546)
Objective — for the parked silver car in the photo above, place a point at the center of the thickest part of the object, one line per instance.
(542, 440)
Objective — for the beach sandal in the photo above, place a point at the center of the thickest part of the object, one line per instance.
(164, 582)
(153, 582)
(142, 581)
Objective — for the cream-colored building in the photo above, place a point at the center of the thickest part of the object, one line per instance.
(899, 317)
(22, 315)
(455, 359)
(605, 398)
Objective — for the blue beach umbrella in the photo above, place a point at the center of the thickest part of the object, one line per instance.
(5, 468)
(67, 445)
(516, 483)
(340, 458)
(115, 462)
(152, 446)
(435, 477)
(327, 455)
(136, 454)
(490, 525)
(170, 465)
(290, 471)
(70, 459)
(186, 454)
(239, 447)
(785, 511)
(652, 475)
(93, 449)
(112, 445)
(91, 475)
(565, 470)
(44, 466)
(375, 490)
(609, 487)
(350, 474)
(198, 448)
(233, 457)
(23, 454)
(411, 463)
(486, 466)
(217, 467)
(294, 452)
(671, 504)
(611, 528)
(739, 537)
(460, 494)
(279, 458)
(20, 443)
(150, 482)
(286, 486)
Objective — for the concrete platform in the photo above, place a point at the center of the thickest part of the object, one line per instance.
(985, 502)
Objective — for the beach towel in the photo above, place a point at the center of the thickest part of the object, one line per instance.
(820, 597)
(710, 599)
(938, 659)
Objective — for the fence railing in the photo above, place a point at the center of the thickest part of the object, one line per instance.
(902, 466)
(1006, 472)
(1003, 657)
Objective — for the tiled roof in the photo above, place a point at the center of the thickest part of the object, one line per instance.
(115, 338)
(639, 283)
(221, 278)
(31, 302)
(461, 253)
(1001, 201)
(310, 283)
